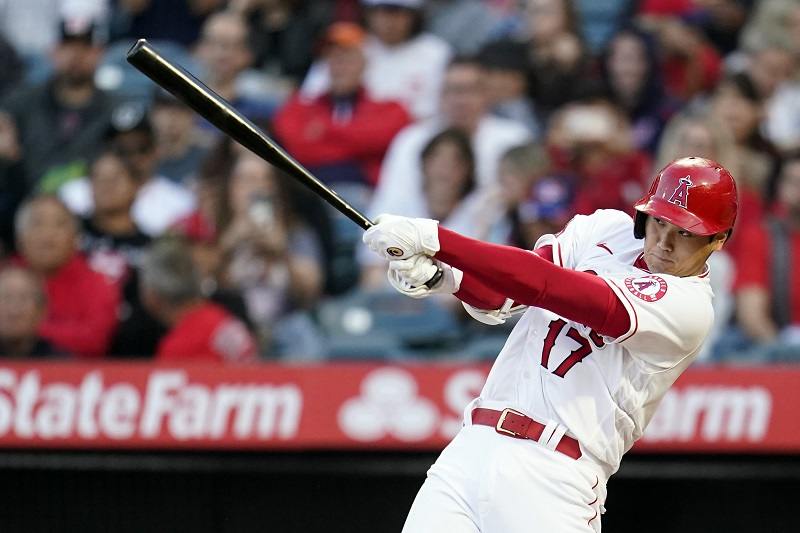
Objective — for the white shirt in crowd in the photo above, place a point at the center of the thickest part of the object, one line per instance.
(399, 189)
(411, 73)
(158, 205)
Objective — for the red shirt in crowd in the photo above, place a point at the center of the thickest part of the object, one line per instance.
(753, 264)
(316, 136)
(208, 333)
(81, 309)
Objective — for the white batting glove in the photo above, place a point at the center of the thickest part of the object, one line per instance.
(409, 276)
(394, 237)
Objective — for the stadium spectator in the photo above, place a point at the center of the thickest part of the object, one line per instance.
(270, 257)
(449, 196)
(507, 85)
(767, 288)
(23, 306)
(284, 34)
(181, 148)
(159, 201)
(60, 124)
(558, 60)
(198, 329)
(737, 104)
(342, 135)
(464, 106)
(773, 22)
(114, 246)
(690, 66)
(224, 51)
(168, 20)
(404, 63)
(774, 71)
(592, 142)
(632, 81)
(521, 167)
(82, 304)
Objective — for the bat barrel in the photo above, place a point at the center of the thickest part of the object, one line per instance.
(222, 114)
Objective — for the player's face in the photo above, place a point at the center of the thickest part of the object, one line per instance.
(669, 249)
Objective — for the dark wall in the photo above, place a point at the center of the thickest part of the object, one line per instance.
(356, 493)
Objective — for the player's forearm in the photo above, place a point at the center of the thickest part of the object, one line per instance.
(478, 295)
(529, 279)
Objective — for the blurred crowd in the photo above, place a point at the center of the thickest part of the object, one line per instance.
(131, 227)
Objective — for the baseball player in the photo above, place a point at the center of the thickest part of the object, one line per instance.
(615, 309)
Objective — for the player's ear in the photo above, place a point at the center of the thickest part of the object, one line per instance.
(719, 239)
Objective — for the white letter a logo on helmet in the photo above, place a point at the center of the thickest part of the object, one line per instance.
(681, 195)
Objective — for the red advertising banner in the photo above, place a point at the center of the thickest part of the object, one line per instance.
(346, 406)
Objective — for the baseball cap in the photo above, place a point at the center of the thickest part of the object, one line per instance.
(80, 29)
(344, 34)
(129, 116)
(408, 4)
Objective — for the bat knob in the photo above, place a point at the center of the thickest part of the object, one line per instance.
(435, 278)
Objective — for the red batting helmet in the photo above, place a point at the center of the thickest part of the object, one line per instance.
(693, 193)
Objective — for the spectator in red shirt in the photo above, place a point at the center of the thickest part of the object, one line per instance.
(198, 329)
(343, 134)
(767, 287)
(82, 304)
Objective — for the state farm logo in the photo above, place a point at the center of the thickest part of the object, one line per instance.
(388, 406)
(168, 405)
(647, 288)
(711, 414)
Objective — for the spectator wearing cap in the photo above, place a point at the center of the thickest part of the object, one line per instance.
(507, 88)
(198, 330)
(592, 142)
(159, 201)
(181, 148)
(82, 304)
(546, 210)
(465, 106)
(343, 134)
(58, 126)
(23, 306)
(404, 63)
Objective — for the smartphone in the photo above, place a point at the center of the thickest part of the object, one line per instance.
(262, 210)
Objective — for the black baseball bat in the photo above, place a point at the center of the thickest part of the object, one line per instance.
(224, 116)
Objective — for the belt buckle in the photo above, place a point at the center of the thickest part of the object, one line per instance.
(498, 427)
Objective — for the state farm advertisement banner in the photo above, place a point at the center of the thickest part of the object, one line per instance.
(344, 406)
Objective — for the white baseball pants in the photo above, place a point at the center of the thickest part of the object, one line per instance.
(484, 482)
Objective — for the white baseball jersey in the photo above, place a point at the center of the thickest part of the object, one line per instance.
(603, 391)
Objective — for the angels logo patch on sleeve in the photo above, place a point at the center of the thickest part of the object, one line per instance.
(647, 288)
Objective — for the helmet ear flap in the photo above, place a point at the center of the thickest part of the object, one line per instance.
(639, 221)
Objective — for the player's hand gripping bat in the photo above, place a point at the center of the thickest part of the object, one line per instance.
(224, 116)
